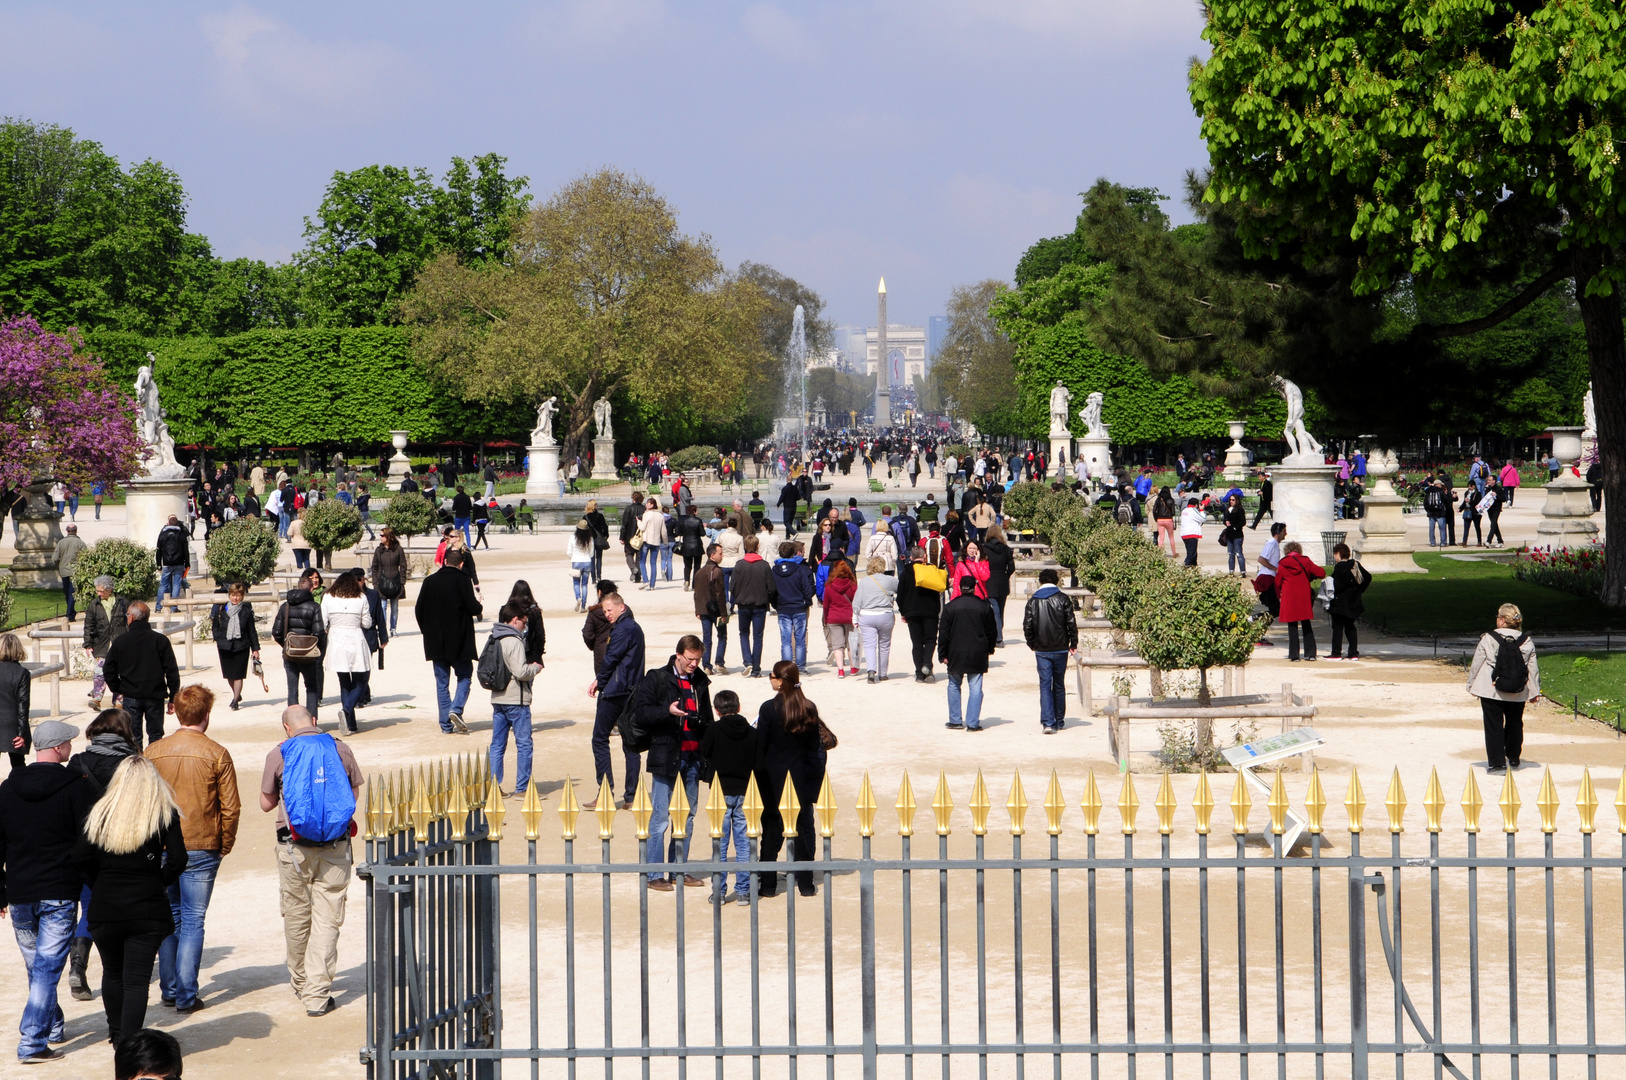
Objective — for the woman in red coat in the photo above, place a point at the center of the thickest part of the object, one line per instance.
(1293, 576)
(839, 589)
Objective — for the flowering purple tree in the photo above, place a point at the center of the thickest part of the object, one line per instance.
(59, 414)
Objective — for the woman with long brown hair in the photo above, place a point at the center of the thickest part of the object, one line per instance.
(789, 746)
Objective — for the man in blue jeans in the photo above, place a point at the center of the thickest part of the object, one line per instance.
(674, 707)
(511, 704)
(793, 595)
(446, 610)
(201, 773)
(42, 810)
(616, 679)
(752, 591)
(173, 551)
(965, 640)
(1051, 630)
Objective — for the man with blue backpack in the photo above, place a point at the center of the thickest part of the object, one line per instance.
(311, 780)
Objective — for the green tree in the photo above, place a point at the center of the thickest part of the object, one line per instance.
(408, 513)
(243, 550)
(975, 366)
(331, 525)
(1187, 619)
(604, 297)
(1467, 141)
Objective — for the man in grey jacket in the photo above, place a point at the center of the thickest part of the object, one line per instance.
(511, 706)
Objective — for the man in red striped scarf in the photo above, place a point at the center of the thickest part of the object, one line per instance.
(674, 707)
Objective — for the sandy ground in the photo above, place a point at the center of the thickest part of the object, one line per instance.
(1380, 715)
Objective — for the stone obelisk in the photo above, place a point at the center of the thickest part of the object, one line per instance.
(883, 369)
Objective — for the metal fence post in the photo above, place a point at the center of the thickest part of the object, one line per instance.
(866, 921)
(1357, 960)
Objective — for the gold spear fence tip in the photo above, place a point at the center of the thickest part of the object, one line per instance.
(422, 812)
(569, 808)
(1165, 803)
(457, 808)
(1315, 802)
(790, 807)
(979, 806)
(1017, 804)
(1620, 803)
(1091, 805)
(679, 811)
(370, 811)
(943, 805)
(753, 808)
(401, 796)
(1586, 803)
(1203, 803)
(866, 807)
(642, 807)
(1547, 803)
(1054, 805)
(1241, 805)
(1472, 803)
(716, 811)
(1510, 804)
(604, 809)
(1355, 801)
(1278, 804)
(1395, 803)
(494, 811)
(906, 807)
(1128, 804)
(1433, 800)
(824, 808)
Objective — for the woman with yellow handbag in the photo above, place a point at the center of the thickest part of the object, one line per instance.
(921, 581)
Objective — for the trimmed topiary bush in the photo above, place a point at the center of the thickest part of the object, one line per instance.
(330, 525)
(1125, 575)
(693, 457)
(1187, 619)
(1022, 500)
(132, 566)
(1100, 544)
(244, 550)
(407, 512)
(1052, 508)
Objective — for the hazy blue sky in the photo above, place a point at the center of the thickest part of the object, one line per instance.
(929, 142)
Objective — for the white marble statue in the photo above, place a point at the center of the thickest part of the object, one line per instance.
(1060, 400)
(601, 418)
(1300, 443)
(158, 455)
(542, 434)
(1091, 415)
(1590, 414)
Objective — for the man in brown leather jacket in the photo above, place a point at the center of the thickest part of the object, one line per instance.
(201, 773)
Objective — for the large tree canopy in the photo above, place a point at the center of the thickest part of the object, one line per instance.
(1467, 141)
(604, 296)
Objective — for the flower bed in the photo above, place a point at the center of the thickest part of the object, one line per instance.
(1573, 570)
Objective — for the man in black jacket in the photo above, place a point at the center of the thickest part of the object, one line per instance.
(42, 809)
(446, 610)
(616, 679)
(173, 551)
(630, 514)
(462, 513)
(141, 668)
(965, 640)
(754, 591)
(1051, 630)
(921, 608)
(789, 496)
(674, 707)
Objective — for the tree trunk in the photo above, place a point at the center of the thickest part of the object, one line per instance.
(1205, 727)
(1606, 353)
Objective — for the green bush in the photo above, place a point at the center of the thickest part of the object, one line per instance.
(1053, 508)
(1125, 575)
(693, 457)
(959, 450)
(408, 513)
(330, 525)
(1188, 619)
(1102, 539)
(1022, 500)
(133, 568)
(244, 550)
(5, 599)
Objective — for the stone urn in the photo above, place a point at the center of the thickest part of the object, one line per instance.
(400, 464)
(1236, 455)
(1566, 516)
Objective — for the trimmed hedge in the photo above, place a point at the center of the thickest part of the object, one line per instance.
(132, 566)
(243, 550)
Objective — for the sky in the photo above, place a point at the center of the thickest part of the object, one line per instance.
(926, 142)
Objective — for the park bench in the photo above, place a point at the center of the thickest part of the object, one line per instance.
(1233, 680)
(1287, 708)
(62, 632)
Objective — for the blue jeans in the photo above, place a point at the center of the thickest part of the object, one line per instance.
(793, 631)
(999, 618)
(171, 583)
(462, 525)
(728, 587)
(660, 797)
(1052, 686)
(180, 953)
(733, 828)
(753, 624)
(515, 718)
(44, 932)
(395, 613)
(648, 562)
(706, 654)
(973, 712)
(1234, 559)
(284, 519)
(1436, 525)
(581, 575)
(67, 594)
(451, 703)
(666, 561)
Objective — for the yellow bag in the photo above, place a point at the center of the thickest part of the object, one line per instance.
(931, 577)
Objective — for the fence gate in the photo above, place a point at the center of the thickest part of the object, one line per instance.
(1183, 954)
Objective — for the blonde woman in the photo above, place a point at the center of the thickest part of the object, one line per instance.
(297, 541)
(131, 852)
(881, 545)
(873, 605)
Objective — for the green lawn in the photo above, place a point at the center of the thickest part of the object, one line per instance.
(32, 605)
(1457, 597)
(1597, 679)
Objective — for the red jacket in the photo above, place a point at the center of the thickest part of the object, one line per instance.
(838, 600)
(1293, 576)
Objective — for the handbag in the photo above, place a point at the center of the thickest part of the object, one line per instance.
(390, 588)
(827, 738)
(931, 577)
(636, 541)
(301, 647)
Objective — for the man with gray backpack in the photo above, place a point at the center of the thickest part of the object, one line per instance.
(311, 780)
(502, 670)
(1504, 676)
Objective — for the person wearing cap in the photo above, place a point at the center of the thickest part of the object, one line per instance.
(42, 808)
(141, 669)
(66, 557)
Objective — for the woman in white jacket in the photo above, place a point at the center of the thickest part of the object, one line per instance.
(882, 546)
(580, 549)
(1191, 530)
(652, 527)
(733, 543)
(346, 612)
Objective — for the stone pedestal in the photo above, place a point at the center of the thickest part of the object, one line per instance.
(1381, 543)
(1096, 453)
(1061, 452)
(36, 528)
(544, 475)
(1566, 517)
(400, 464)
(1236, 455)
(148, 504)
(1301, 497)
(603, 459)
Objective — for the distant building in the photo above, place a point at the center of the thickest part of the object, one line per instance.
(906, 353)
(937, 328)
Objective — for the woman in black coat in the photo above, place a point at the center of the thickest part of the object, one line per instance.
(111, 739)
(920, 607)
(788, 745)
(536, 635)
(1001, 566)
(601, 535)
(1349, 581)
(131, 852)
(236, 639)
(15, 701)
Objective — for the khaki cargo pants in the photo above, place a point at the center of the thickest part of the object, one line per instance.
(315, 882)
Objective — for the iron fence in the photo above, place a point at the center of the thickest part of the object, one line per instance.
(1306, 962)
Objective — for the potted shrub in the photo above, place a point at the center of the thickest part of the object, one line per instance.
(407, 512)
(244, 551)
(330, 526)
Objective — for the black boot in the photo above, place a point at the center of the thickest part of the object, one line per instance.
(78, 959)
